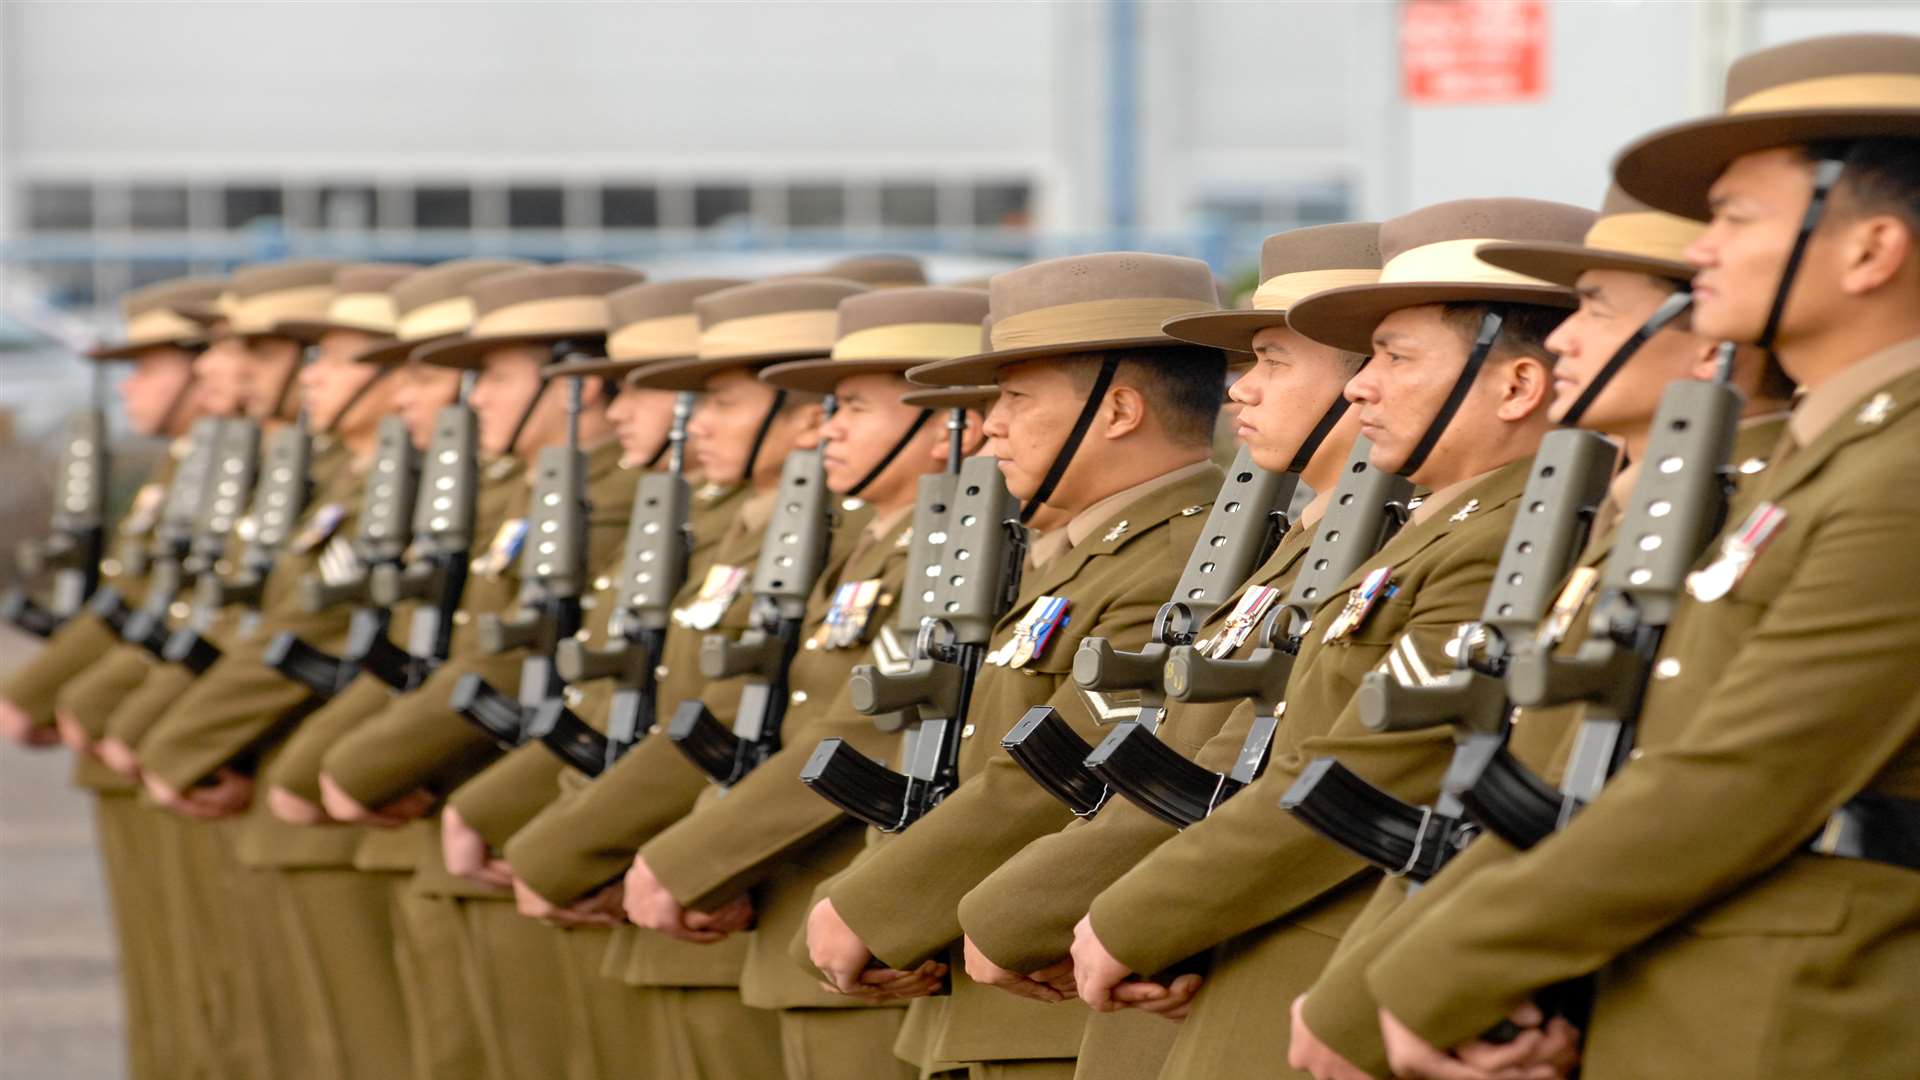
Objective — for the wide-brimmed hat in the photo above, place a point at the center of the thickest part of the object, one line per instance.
(1079, 304)
(362, 301)
(753, 326)
(258, 299)
(1293, 264)
(1430, 259)
(1850, 86)
(647, 324)
(1629, 235)
(880, 271)
(151, 316)
(977, 398)
(532, 307)
(887, 332)
(433, 304)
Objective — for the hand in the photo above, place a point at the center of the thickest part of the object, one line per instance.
(881, 984)
(341, 806)
(595, 909)
(467, 855)
(1043, 985)
(1308, 1054)
(1169, 1001)
(18, 728)
(291, 808)
(228, 793)
(119, 757)
(1095, 971)
(650, 904)
(1414, 1058)
(71, 732)
(1552, 1045)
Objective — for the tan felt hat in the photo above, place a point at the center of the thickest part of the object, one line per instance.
(259, 298)
(362, 301)
(152, 316)
(1293, 264)
(1629, 235)
(880, 271)
(1849, 86)
(1078, 304)
(1429, 258)
(752, 326)
(977, 398)
(532, 307)
(647, 324)
(433, 304)
(889, 331)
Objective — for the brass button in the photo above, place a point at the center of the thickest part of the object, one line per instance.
(799, 697)
(461, 618)
(966, 732)
(660, 671)
(1666, 669)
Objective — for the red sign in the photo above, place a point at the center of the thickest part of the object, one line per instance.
(1455, 52)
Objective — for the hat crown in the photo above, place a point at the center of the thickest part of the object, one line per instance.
(880, 271)
(447, 281)
(170, 295)
(1630, 227)
(1349, 245)
(252, 281)
(1096, 300)
(568, 281)
(1480, 219)
(656, 320)
(790, 317)
(924, 323)
(1838, 71)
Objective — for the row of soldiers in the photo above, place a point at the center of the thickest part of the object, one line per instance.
(542, 672)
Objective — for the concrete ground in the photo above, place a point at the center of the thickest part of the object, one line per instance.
(59, 1002)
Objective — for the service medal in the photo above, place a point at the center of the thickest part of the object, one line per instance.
(1737, 553)
(319, 527)
(1360, 604)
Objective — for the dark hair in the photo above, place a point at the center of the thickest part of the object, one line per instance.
(1882, 176)
(1184, 384)
(1523, 327)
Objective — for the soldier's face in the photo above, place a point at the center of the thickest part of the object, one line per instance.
(642, 419)
(1417, 355)
(1283, 396)
(725, 422)
(269, 375)
(420, 391)
(1613, 305)
(221, 372)
(153, 387)
(508, 383)
(1029, 422)
(1757, 206)
(869, 421)
(330, 380)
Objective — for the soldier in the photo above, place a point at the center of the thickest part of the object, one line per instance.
(1020, 920)
(1071, 336)
(1783, 698)
(1455, 399)
(1628, 274)
(744, 430)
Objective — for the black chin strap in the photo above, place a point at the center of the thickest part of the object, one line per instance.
(354, 399)
(180, 397)
(1109, 364)
(286, 384)
(1476, 359)
(873, 474)
(1319, 433)
(658, 454)
(1826, 173)
(760, 436)
(526, 417)
(1670, 309)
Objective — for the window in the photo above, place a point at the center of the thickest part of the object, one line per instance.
(148, 271)
(244, 205)
(630, 208)
(1003, 205)
(442, 208)
(718, 204)
(909, 205)
(535, 208)
(350, 206)
(60, 206)
(68, 284)
(816, 205)
(158, 206)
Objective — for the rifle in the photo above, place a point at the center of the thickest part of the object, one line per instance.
(1678, 503)
(222, 480)
(1367, 508)
(930, 698)
(1245, 524)
(1567, 482)
(380, 539)
(278, 502)
(76, 542)
(553, 569)
(652, 570)
(791, 557)
(166, 544)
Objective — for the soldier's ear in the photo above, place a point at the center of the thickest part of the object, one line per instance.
(1126, 409)
(1527, 389)
(1876, 250)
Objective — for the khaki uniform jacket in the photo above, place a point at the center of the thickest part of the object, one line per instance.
(1340, 1010)
(1022, 916)
(903, 896)
(1249, 863)
(770, 832)
(1724, 949)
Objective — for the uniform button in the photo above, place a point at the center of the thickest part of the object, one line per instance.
(799, 697)
(811, 644)
(1636, 754)
(602, 583)
(966, 732)
(575, 696)
(179, 609)
(660, 671)
(583, 634)
(461, 618)
(1666, 669)
(589, 602)
(1518, 713)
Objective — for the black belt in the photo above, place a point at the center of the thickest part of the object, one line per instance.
(1878, 828)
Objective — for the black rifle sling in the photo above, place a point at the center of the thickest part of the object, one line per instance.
(1109, 364)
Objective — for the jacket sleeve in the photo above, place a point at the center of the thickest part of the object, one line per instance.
(417, 741)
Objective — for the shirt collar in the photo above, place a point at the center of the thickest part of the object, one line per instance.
(1821, 408)
(1086, 521)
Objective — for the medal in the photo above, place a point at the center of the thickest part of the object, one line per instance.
(504, 546)
(1048, 615)
(1737, 553)
(1360, 604)
(1246, 614)
(1553, 629)
(716, 594)
(319, 527)
(859, 612)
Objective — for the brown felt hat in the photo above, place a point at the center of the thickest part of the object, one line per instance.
(1429, 258)
(258, 299)
(1629, 235)
(1293, 264)
(752, 326)
(152, 316)
(433, 304)
(880, 271)
(647, 324)
(889, 331)
(1079, 304)
(539, 306)
(977, 398)
(362, 301)
(1849, 86)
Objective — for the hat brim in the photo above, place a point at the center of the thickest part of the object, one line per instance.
(1230, 330)
(128, 350)
(311, 331)
(1562, 264)
(1346, 318)
(602, 366)
(693, 372)
(468, 352)
(394, 351)
(980, 369)
(822, 376)
(1673, 168)
(955, 397)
